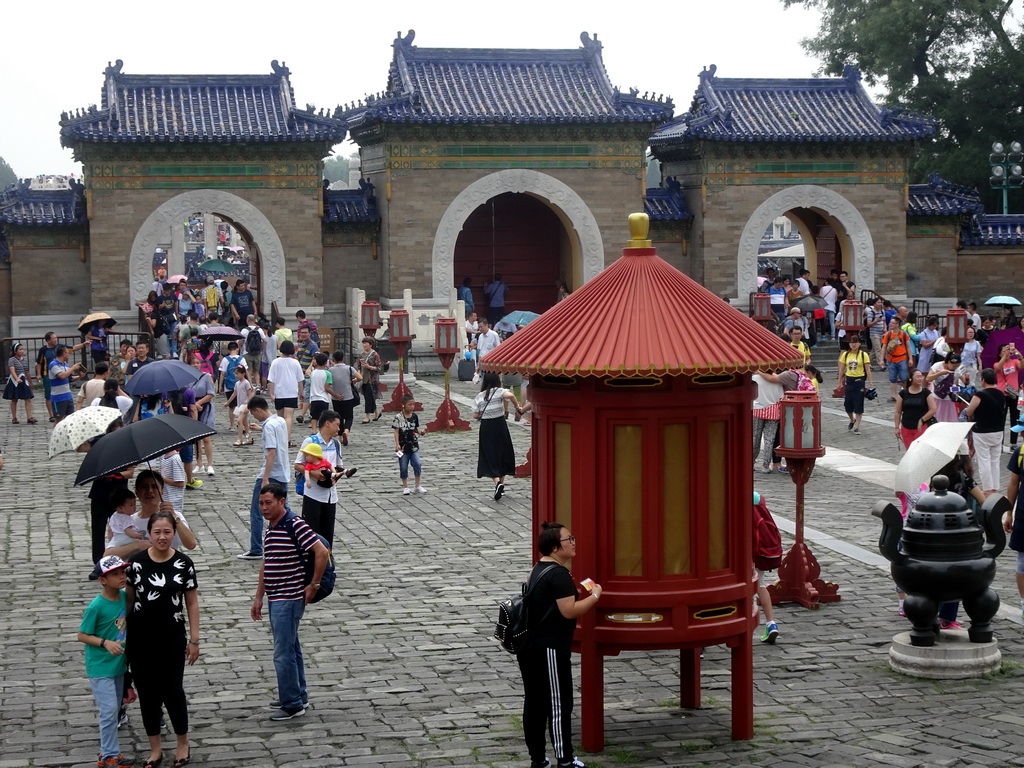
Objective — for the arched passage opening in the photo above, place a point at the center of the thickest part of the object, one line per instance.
(163, 228)
(521, 238)
(833, 231)
(584, 246)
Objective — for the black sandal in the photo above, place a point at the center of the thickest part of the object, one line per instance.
(181, 762)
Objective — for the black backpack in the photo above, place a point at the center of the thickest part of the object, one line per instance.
(512, 629)
(254, 342)
(309, 561)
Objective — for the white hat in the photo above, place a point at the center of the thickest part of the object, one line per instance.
(110, 563)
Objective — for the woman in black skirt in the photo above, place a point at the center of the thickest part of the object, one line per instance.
(496, 457)
(19, 383)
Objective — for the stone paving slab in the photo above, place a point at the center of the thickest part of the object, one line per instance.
(401, 666)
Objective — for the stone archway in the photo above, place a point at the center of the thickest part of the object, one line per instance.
(568, 205)
(172, 212)
(823, 199)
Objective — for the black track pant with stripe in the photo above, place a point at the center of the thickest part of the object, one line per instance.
(547, 684)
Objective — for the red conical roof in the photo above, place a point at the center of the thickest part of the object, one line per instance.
(641, 317)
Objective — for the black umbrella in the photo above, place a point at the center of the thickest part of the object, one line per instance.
(140, 442)
(162, 376)
(220, 333)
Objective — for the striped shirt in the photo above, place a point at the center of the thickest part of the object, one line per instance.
(60, 389)
(283, 574)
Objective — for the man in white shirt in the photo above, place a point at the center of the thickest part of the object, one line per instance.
(803, 282)
(487, 341)
(274, 470)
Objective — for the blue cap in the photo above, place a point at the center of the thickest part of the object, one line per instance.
(757, 498)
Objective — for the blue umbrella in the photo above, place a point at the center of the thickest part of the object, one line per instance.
(162, 376)
(1006, 301)
(520, 317)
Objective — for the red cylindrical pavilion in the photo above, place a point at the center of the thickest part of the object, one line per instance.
(641, 389)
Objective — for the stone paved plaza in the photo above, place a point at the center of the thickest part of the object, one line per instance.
(401, 665)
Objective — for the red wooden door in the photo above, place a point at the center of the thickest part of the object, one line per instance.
(519, 237)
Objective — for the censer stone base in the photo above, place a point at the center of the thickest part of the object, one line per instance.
(953, 657)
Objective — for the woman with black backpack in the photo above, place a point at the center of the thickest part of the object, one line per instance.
(545, 663)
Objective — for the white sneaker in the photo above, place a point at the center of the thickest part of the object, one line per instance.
(209, 471)
(406, 491)
(420, 489)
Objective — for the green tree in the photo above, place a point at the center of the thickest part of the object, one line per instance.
(7, 175)
(336, 169)
(958, 61)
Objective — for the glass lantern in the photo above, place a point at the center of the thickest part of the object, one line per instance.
(956, 326)
(446, 336)
(399, 324)
(369, 315)
(762, 307)
(853, 316)
(800, 426)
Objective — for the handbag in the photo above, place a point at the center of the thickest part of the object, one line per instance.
(355, 388)
(1011, 392)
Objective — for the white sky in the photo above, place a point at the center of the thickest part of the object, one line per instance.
(54, 54)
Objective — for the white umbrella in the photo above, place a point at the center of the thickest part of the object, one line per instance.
(81, 426)
(929, 453)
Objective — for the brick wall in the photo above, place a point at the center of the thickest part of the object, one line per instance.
(931, 266)
(348, 266)
(50, 281)
(419, 198)
(985, 272)
(118, 215)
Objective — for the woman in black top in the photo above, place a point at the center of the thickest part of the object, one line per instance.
(545, 663)
(161, 582)
(914, 406)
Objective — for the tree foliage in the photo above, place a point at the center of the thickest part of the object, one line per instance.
(961, 61)
(7, 175)
(336, 169)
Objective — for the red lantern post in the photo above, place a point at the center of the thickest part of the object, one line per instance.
(800, 442)
(956, 329)
(446, 345)
(762, 309)
(852, 322)
(401, 338)
(369, 318)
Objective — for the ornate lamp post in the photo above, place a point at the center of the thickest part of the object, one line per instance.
(852, 322)
(446, 345)
(401, 338)
(800, 443)
(956, 328)
(762, 309)
(369, 318)
(1007, 170)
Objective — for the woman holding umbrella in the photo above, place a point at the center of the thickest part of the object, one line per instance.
(19, 383)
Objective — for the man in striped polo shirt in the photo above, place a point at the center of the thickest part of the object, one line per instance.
(282, 580)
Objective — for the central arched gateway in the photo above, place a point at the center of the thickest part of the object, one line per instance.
(585, 243)
(265, 240)
(850, 230)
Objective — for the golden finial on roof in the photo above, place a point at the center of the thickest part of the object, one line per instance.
(639, 225)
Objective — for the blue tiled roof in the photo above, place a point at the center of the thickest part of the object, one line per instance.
(993, 229)
(805, 110)
(23, 206)
(486, 85)
(198, 108)
(942, 198)
(666, 203)
(351, 206)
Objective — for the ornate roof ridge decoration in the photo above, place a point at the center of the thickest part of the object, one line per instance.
(21, 205)
(666, 203)
(819, 109)
(503, 85)
(623, 338)
(351, 206)
(993, 229)
(942, 198)
(217, 109)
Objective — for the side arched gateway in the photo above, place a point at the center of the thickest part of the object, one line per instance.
(171, 213)
(584, 235)
(856, 237)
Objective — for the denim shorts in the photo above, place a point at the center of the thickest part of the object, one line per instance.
(898, 372)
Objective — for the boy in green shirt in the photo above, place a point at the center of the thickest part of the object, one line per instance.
(103, 630)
